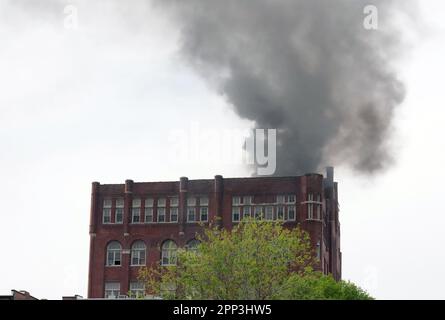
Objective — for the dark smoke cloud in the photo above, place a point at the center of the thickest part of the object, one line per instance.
(308, 68)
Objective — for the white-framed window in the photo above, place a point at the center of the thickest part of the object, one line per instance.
(204, 213)
(168, 253)
(280, 199)
(310, 206)
(236, 212)
(258, 212)
(112, 290)
(136, 211)
(114, 254)
(247, 200)
(106, 213)
(174, 201)
(119, 213)
(137, 289)
(192, 245)
(161, 202)
(191, 214)
(318, 213)
(204, 201)
(173, 214)
(138, 253)
(161, 214)
(148, 215)
(280, 212)
(149, 203)
(236, 201)
(191, 201)
(291, 213)
(148, 210)
(269, 213)
(291, 198)
(247, 211)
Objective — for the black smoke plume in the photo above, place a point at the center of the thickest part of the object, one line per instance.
(308, 68)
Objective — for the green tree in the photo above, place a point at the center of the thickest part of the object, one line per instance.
(255, 260)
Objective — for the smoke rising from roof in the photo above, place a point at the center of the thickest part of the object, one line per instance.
(308, 68)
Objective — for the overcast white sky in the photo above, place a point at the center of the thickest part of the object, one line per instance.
(100, 102)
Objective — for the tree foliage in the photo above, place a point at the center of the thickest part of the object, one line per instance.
(255, 260)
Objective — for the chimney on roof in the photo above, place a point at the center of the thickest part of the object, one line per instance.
(330, 176)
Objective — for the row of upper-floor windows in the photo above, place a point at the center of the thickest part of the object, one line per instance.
(159, 202)
(160, 215)
(138, 252)
(269, 213)
(197, 209)
(250, 200)
(155, 210)
(113, 290)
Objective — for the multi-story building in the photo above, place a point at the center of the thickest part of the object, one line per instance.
(135, 224)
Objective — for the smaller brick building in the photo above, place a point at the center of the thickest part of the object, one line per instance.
(135, 224)
(18, 295)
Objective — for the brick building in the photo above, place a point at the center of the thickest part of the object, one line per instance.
(134, 224)
(18, 295)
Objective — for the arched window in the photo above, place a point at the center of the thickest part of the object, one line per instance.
(114, 254)
(138, 253)
(192, 245)
(168, 255)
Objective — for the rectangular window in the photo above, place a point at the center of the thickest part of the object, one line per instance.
(138, 256)
(247, 200)
(161, 202)
(148, 212)
(173, 214)
(191, 201)
(149, 203)
(148, 215)
(137, 289)
(291, 213)
(280, 199)
(191, 214)
(291, 198)
(236, 214)
(318, 215)
(119, 213)
(161, 214)
(106, 214)
(204, 213)
(174, 201)
(310, 206)
(135, 215)
(204, 201)
(269, 213)
(114, 257)
(136, 211)
(136, 203)
(112, 290)
(258, 212)
(236, 201)
(280, 213)
(247, 212)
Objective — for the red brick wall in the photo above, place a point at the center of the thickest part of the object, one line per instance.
(219, 192)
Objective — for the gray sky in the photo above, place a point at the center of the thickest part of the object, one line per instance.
(102, 102)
